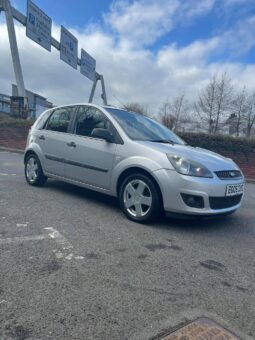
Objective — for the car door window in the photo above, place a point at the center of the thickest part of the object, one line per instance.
(90, 118)
(60, 119)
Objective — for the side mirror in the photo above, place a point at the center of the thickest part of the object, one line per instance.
(102, 134)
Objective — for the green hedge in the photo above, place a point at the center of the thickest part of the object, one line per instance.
(6, 120)
(219, 142)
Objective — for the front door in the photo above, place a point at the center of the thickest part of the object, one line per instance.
(90, 160)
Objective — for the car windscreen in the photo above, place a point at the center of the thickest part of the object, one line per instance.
(139, 127)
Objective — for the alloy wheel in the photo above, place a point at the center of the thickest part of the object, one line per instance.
(137, 198)
(32, 169)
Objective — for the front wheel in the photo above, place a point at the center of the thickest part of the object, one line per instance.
(33, 171)
(140, 198)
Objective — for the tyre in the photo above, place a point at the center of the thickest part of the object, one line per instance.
(33, 171)
(140, 198)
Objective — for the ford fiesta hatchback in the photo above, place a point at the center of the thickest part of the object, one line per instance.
(132, 157)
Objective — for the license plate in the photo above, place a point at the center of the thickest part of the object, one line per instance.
(234, 189)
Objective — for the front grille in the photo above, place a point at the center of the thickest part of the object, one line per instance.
(224, 202)
(229, 174)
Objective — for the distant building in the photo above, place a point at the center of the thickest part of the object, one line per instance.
(36, 103)
(5, 105)
(232, 123)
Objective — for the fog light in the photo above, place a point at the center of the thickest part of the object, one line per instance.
(193, 201)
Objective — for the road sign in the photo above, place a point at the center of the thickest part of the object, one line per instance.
(88, 65)
(68, 47)
(38, 26)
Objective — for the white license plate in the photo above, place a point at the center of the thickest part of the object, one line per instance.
(234, 189)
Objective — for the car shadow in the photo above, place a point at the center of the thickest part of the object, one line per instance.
(76, 191)
(200, 224)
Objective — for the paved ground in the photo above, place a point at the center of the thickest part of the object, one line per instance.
(95, 275)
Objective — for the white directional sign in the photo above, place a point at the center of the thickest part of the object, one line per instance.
(88, 65)
(38, 26)
(68, 47)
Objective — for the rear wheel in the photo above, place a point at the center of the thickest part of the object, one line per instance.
(140, 198)
(33, 171)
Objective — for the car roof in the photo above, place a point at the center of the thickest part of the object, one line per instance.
(93, 105)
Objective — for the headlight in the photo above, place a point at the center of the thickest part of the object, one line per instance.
(188, 167)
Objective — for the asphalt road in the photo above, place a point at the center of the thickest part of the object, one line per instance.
(95, 275)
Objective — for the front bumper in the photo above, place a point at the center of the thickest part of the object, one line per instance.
(172, 184)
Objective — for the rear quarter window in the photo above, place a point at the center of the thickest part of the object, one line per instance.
(41, 121)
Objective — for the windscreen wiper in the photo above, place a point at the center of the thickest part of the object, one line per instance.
(166, 141)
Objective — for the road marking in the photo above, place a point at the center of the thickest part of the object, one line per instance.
(59, 255)
(60, 239)
(63, 242)
(52, 233)
(4, 174)
(79, 257)
(22, 239)
(22, 224)
(12, 164)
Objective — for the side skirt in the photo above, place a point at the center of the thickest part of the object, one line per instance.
(80, 184)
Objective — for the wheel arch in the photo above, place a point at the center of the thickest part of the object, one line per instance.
(36, 150)
(137, 170)
(28, 153)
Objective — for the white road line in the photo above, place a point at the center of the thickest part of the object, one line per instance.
(52, 233)
(21, 225)
(23, 239)
(4, 174)
(60, 239)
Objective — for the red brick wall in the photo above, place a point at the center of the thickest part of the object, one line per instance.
(15, 138)
(245, 162)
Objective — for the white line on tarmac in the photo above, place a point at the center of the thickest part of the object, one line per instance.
(4, 174)
(51, 234)
(60, 239)
(21, 225)
(22, 239)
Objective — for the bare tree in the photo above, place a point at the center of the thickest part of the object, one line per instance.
(250, 114)
(223, 99)
(172, 113)
(240, 109)
(214, 102)
(136, 107)
(166, 117)
(205, 106)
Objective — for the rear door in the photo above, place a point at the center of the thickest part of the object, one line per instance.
(89, 159)
(52, 139)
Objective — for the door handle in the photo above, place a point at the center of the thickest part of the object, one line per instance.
(71, 144)
(42, 137)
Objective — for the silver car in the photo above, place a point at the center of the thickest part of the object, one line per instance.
(132, 157)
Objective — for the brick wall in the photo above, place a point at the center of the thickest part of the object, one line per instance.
(246, 162)
(15, 138)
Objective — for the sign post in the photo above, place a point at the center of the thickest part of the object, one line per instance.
(38, 26)
(88, 65)
(14, 48)
(103, 95)
(68, 47)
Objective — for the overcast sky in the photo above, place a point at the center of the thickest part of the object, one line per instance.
(147, 50)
